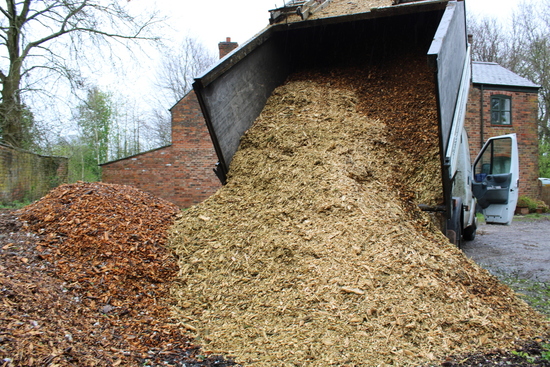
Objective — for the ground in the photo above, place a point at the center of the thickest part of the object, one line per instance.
(519, 255)
(521, 249)
(29, 283)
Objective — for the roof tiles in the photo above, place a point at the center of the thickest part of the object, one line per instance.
(494, 74)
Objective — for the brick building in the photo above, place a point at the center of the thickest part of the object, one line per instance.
(501, 102)
(181, 172)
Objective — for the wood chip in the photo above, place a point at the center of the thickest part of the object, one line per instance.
(353, 290)
(95, 293)
(322, 200)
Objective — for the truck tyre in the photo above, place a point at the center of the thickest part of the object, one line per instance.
(454, 224)
(459, 231)
(470, 233)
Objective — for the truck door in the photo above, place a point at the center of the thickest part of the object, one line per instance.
(496, 179)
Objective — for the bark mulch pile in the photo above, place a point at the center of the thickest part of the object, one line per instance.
(315, 252)
(83, 279)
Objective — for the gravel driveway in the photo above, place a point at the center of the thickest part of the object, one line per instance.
(521, 249)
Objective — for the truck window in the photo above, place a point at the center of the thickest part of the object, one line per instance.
(495, 159)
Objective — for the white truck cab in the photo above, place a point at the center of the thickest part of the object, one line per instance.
(495, 181)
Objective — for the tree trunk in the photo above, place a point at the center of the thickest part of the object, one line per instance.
(11, 110)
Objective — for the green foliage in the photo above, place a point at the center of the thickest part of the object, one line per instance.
(82, 163)
(544, 158)
(30, 132)
(527, 202)
(524, 355)
(28, 135)
(15, 204)
(91, 145)
(532, 204)
(545, 355)
(94, 119)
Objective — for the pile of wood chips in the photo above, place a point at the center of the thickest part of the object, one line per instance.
(108, 239)
(92, 291)
(341, 7)
(315, 253)
(345, 7)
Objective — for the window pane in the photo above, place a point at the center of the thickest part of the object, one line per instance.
(495, 159)
(506, 102)
(502, 156)
(501, 107)
(505, 118)
(483, 165)
(495, 117)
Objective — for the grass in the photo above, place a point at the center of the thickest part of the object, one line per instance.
(535, 293)
(531, 216)
(15, 205)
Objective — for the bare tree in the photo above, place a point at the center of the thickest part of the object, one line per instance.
(532, 31)
(489, 41)
(523, 48)
(38, 36)
(180, 65)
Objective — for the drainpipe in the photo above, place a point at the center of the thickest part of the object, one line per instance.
(482, 139)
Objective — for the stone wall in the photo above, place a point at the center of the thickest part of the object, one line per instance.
(181, 172)
(25, 176)
(524, 124)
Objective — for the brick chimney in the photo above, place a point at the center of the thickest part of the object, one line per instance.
(226, 47)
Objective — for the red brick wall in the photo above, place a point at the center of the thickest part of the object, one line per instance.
(182, 172)
(524, 124)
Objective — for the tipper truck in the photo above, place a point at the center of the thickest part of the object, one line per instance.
(233, 93)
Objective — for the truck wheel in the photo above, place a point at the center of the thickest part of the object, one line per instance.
(459, 233)
(454, 224)
(470, 233)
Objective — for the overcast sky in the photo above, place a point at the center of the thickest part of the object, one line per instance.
(501, 9)
(214, 20)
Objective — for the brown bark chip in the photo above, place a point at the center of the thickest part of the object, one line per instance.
(315, 253)
(84, 278)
